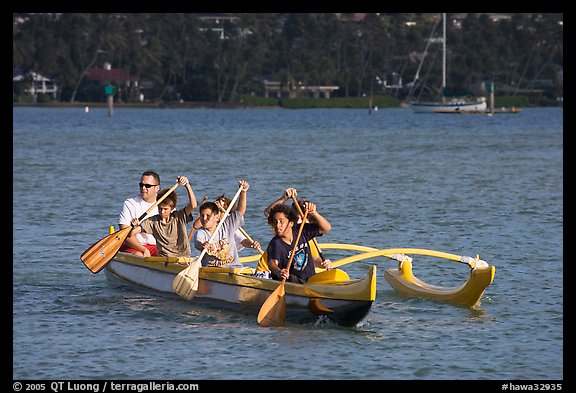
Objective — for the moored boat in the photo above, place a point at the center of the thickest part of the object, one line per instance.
(345, 302)
(455, 106)
(481, 112)
(462, 104)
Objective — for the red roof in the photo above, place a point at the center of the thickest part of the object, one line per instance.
(104, 75)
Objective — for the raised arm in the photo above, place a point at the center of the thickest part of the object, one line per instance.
(288, 193)
(183, 180)
(242, 198)
(323, 224)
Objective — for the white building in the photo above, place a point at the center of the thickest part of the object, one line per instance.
(37, 84)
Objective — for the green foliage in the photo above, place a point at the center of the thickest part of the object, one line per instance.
(253, 100)
(334, 102)
(340, 102)
(510, 101)
(183, 56)
(43, 98)
(24, 99)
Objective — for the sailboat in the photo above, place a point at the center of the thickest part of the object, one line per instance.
(453, 105)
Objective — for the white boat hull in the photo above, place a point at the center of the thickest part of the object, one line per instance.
(456, 107)
(346, 303)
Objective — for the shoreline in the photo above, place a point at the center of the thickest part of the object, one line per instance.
(133, 105)
(198, 105)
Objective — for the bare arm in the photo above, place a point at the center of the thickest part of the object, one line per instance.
(248, 244)
(287, 195)
(323, 224)
(136, 229)
(324, 264)
(183, 180)
(242, 198)
(275, 269)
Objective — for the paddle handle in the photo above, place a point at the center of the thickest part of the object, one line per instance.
(250, 239)
(204, 250)
(296, 241)
(313, 239)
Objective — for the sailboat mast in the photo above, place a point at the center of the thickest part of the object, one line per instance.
(443, 52)
(446, 105)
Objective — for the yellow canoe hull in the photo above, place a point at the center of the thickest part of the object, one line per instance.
(344, 301)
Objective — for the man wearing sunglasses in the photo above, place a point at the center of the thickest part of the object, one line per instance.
(143, 243)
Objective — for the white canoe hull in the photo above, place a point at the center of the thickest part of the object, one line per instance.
(305, 303)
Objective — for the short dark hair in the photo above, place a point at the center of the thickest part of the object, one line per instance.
(170, 198)
(301, 202)
(153, 174)
(287, 210)
(210, 205)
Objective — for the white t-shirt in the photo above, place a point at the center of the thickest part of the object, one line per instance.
(238, 237)
(227, 232)
(133, 208)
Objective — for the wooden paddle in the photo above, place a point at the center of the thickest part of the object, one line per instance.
(273, 311)
(97, 256)
(313, 239)
(185, 283)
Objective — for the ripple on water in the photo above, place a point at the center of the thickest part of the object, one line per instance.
(459, 184)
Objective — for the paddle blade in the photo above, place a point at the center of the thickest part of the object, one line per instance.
(316, 306)
(185, 284)
(273, 311)
(97, 256)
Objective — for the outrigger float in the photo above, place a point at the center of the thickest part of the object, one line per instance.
(330, 293)
(402, 279)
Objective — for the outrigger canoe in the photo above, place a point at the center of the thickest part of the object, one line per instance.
(328, 294)
(344, 301)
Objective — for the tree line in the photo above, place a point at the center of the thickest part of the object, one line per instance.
(186, 56)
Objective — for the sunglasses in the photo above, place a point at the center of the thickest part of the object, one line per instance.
(146, 185)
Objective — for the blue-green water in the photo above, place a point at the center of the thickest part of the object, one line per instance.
(464, 184)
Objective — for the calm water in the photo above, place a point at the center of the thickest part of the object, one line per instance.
(464, 184)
